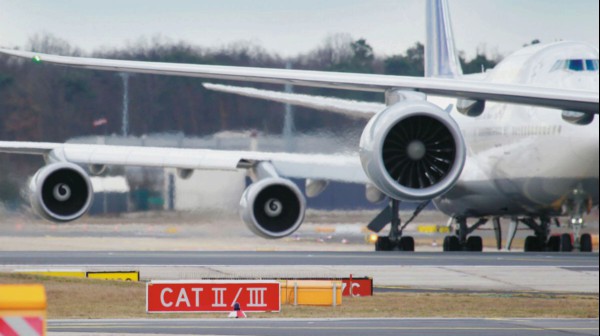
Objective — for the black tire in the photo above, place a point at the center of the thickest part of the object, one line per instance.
(553, 244)
(586, 244)
(532, 244)
(407, 244)
(566, 243)
(475, 244)
(383, 244)
(451, 244)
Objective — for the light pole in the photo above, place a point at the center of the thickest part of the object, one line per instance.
(288, 122)
(125, 114)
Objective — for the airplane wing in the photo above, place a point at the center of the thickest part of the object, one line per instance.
(581, 101)
(348, 107)
(341, 168)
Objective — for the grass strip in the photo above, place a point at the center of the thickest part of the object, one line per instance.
(89, 298)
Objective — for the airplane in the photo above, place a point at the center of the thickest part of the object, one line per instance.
(519, 141)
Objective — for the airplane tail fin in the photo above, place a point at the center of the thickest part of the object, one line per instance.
(441, 57)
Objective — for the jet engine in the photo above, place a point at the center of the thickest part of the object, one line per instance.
(412, 151)
(273, 207)
(61, 192)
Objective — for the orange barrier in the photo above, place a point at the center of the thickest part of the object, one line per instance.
(22, 310)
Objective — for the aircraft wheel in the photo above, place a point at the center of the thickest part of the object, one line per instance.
(586, 243)
(383, 244)
(531, 244)
(566, 243)
(553, 244)
(407, 244)
(475, 244)
(451, 244)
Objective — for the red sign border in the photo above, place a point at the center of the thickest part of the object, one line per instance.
(191, 282)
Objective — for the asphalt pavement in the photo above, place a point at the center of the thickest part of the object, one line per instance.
(332, 327)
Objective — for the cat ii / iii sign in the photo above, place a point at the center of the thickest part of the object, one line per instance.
(212, 296)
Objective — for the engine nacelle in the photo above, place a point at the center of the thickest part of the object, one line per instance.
(273, 207)
(412, 151)
(61, 192)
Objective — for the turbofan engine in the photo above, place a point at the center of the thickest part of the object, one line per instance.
(273, 207)
(60, 192)
(412, 151)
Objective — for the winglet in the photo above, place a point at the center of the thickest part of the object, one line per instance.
(441, 58)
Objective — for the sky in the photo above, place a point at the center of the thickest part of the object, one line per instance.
(292, 27)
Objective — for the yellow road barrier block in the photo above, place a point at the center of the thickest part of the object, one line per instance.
(311, 292)
(443, 229)
(56, 273)
(595, 241)
(427, 228)
(433, 229)
(22, 310)
(122, 276)
(172, 230)
(325, 229)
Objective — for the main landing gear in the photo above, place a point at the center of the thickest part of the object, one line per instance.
(543, 241)
(462, 241)
(396, 240)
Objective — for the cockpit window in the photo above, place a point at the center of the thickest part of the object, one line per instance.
(591, 65)
(576, 65)
(560, 64)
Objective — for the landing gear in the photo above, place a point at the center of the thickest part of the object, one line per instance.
(451, 244)
(542, 241)
(579, 204)
(395, 241)
(462, 241)
(566, 243)
(586, 244)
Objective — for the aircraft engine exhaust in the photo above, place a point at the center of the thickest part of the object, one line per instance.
(413, 151)
(273, 207)
(60, 192)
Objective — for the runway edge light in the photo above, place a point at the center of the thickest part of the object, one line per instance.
(23, 310)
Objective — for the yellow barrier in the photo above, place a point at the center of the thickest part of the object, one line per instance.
(22, 310)
(325, 229)
(118, 275)
(311, 292)
(57, 273)
(123, 276)
(433, 229)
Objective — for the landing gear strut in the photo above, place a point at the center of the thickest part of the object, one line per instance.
(580, 204)
(462, 241)
(396, 240)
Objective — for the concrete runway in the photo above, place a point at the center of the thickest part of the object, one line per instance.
(509, 272)
(332, 327)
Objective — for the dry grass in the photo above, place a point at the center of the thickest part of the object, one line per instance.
(87, 298)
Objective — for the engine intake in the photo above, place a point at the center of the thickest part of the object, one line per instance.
(61, 192)
(273, 207)
(413, 151)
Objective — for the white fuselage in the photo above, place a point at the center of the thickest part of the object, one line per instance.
(526, 160)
